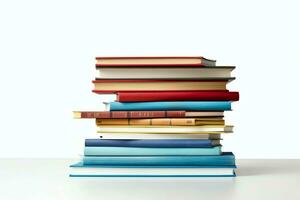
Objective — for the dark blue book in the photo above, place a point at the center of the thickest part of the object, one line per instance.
(184, 143)
(172, 105)
(225, 159)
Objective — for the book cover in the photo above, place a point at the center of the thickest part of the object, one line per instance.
(146, 151)
(178, 96)
(132, 114)
(158, 85)
(165, 129)
(162, 121)
(183, 143)
(161, 136)
(164, 72)
(225, 159)
(171, 105)
(83, 170)
(154, 61)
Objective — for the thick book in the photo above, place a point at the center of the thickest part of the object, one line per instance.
(83, 170)
(144, 114)
(225, 159)
(161, 136)
(146, 151)
(162, 121)
(171, 105)
(103, 86)
(165, 129)
(154, 61)
(164, 72)
(178, 96)
(183, 143)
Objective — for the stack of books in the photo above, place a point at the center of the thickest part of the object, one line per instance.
(166, 121)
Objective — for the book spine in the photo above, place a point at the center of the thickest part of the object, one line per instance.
(182, 143)
(138, 151)
(172, 105)
(154, 122)
(178, 96)
(217, 160)
(129, 114)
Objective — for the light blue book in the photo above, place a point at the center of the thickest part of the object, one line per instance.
(225, 159)
(82, 170)
(140, 151)
(172, 105)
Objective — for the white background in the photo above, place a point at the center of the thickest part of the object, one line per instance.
(47, 51)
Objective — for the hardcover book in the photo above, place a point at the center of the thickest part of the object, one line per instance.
(83, 170)
(178, 96)
(146, 151)
(142, 85)
(225, 159)
(165, 129)
(154, 61)
(171, 105)
(161, 136)
(162, 121)
(164, 72)
(183, 143)
(145, 114)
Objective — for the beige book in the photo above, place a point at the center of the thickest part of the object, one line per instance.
(162, 121)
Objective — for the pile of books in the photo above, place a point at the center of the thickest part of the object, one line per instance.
(167, 119)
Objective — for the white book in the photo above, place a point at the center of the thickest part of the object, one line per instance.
(145, 136)
(165, 129)
(163, 72)
(81, 170)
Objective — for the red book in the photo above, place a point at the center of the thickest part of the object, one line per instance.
(178, 96)
(128, 114)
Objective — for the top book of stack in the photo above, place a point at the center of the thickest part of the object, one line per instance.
(154, 61)
(161, 68)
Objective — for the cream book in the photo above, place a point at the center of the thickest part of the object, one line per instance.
(165, 129)
(154, 61)
(163, 136)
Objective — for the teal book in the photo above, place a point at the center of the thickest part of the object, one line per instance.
(225, 159)
(141, 151)
(82, 170)
(172, 105)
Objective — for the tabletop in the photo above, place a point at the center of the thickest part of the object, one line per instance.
(48, 179)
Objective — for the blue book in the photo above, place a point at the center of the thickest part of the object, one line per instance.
(82, 170)
(172, 105)
(184, 143)
(224, 159)
(145, 151)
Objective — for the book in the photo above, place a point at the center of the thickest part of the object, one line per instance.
(154, 61)
(170, 105)
(102, 86)
(144, 114)
(164, 72)
(178, 96)
(165, 129)
(225, 159)
(146, 151)
(162, 121)
(183, 143)
(162, 136)
(83, 170)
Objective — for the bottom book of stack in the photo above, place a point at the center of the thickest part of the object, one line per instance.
(154, 158)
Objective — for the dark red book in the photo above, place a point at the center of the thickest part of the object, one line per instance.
(178, 96)
(128, 114)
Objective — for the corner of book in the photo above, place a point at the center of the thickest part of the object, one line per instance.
(76, 114)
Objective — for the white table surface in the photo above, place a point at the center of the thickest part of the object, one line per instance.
(48, 179)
